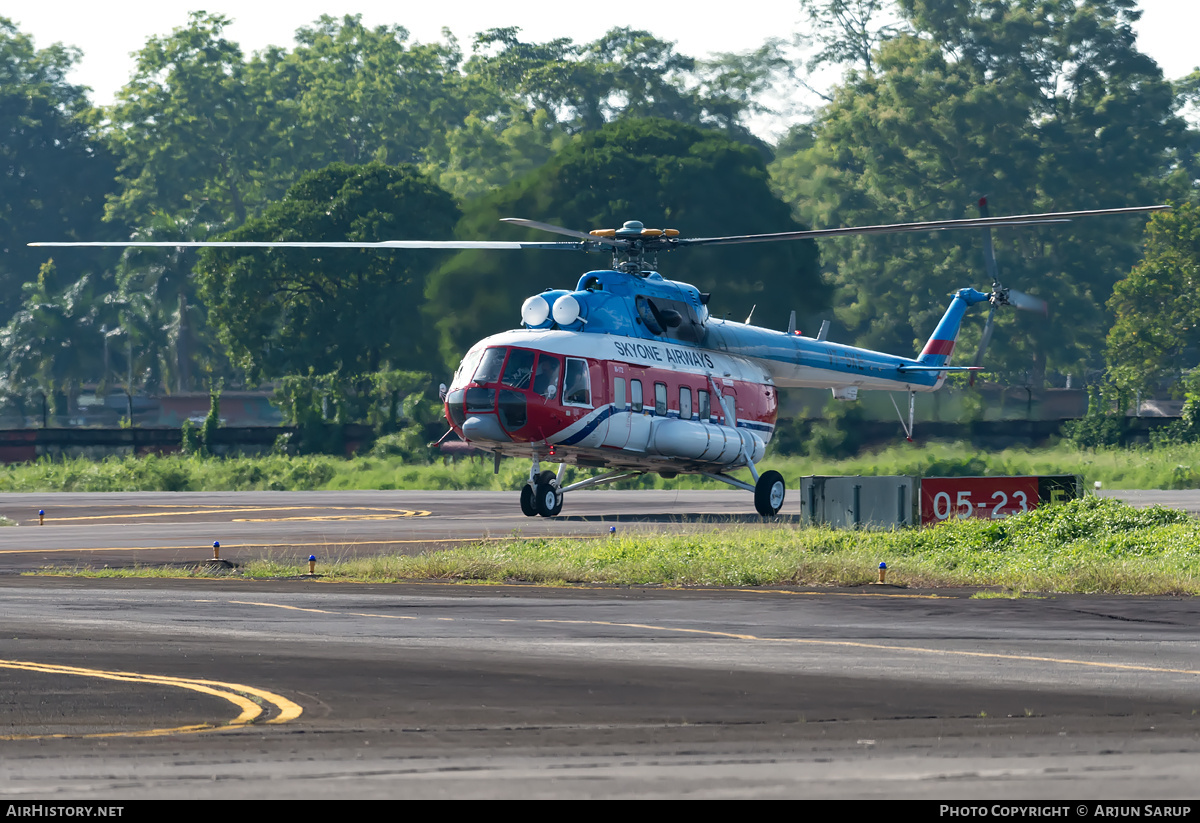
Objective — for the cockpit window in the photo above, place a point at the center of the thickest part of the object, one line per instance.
(489, 369)
(576, 386)
(519, 369)
(545, 382)
(467, 367)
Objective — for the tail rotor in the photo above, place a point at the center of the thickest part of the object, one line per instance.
(999, 296)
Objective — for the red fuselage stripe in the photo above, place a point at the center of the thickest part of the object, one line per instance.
(938, 347)
(547, 418)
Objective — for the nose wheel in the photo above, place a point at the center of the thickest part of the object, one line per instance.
(527, 506)
(542, 496)
(548, 499)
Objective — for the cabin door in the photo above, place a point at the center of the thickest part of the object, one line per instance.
(618, 392)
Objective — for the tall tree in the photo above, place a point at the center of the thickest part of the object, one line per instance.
(289, 311)
(54, 343)
(1156, 336)
(1041, 105)
(847, 31)
(627, 73)
(352, 94)
(191, 133)
(54, 171)
(157, 286)
(664, 173)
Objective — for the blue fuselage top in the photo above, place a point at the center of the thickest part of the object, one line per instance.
(646, 306)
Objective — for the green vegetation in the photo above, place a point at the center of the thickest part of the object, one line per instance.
(1165, 467)
(1157, 325)
(358, 132)
(286, 312)
(175, 473)
(971, 98)
(1087, 545)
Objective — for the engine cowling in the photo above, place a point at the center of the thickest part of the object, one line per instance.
(537, 311)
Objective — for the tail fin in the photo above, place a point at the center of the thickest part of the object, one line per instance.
(940, 346)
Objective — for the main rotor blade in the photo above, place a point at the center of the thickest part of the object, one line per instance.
(984, 339)
(269, 244)
(989, 251)
(590, 239)
(534, 224)
(898, 228)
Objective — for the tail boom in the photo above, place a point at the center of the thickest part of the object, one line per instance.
(940, 345)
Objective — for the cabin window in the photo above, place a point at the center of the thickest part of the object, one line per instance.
(619, 393)
(635, 395)
(702, 398)
(577, 390)
(519, 369)
(489, 369)
(545, 381)
(685, 403)
(660, 399)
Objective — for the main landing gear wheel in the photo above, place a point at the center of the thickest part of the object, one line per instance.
(548, 499)
(768, 493)
(527, 505)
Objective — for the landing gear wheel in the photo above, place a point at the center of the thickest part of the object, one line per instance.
(527, 507)
(768, 493)
(547, 499)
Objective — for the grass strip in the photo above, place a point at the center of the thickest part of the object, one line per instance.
(1092, 545)
(1175, 467)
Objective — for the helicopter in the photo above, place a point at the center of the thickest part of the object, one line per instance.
(628, 373)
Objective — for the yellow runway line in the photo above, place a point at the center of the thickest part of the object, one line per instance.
(233, 692)
(333, 544)
(799, 641)
(325, 611)
(193, 510)
(854, 644)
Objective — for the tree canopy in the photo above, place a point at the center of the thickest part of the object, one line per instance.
(1156, 335)
(361, 132)
(54, 169)
(1040, 105)
(289, 311)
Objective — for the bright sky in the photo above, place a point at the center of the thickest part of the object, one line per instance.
(109, 32)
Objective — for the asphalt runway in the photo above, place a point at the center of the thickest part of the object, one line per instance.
(292, 689)
(129, 528)
(123, 529)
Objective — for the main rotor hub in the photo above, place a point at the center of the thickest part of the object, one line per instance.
(637, 252)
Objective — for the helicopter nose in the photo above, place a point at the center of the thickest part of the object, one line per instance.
(486, 427)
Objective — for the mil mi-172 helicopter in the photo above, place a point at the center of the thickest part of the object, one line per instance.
(629, 373)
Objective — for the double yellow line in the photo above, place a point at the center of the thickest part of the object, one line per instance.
(248, 699)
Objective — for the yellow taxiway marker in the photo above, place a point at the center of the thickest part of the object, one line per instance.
(327, 544)
(247, 698)
(376, 513)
